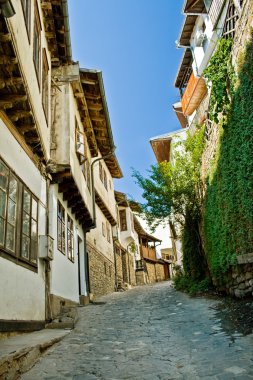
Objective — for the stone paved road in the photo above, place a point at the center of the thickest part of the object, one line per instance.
(148, 333)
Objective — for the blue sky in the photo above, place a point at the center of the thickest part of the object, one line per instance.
(133, 43)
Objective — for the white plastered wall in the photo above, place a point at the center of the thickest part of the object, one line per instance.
(21, 288)
(64, 272)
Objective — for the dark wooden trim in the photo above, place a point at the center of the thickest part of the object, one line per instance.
(17, 325)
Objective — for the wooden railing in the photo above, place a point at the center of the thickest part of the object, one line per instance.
(148, 252)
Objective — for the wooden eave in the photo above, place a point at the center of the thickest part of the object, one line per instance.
(149, 259)
(14, 97)
(121, 199)
(104, 209)
(85, 117)
(161, 148)
(98, 113)
(142, 233)
(185, 64)
(57, 35)
(179, 112)
(194, 6)
(72, 195)
(194, 93)
(187, 29)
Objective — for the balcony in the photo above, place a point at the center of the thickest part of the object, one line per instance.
(148, 253)
(194, 93)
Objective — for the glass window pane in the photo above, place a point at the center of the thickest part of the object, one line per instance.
(25, 247)
(63, 237)
(13, 188)
(2, 229)
(34, 250)
(26, 224)
(59, 237)
(11, 212)
(3, 176)
(34, 208)
(2, 203)
(34, 230)
(10, 237)
(26, 201)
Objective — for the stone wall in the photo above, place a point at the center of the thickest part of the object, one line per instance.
(240, 281)
(243, 30)
(128, 268)
(160, 273)
(151, 271)
(101, 272)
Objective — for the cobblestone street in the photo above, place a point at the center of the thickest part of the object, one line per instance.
(149, 333)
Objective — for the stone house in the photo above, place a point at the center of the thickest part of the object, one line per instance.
(57, 164)
(149, 268)
(206, 21)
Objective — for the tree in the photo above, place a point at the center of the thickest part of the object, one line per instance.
(173, 193)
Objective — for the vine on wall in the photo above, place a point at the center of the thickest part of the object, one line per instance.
(228, 214)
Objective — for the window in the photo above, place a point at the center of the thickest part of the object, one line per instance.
(105, 180)
(29, 236)
(100, 171)
(103, 229)
(70, 239)
(132, 221)
(123, 221)
(80, 145)
(18, 217)
(37, 42)
(108, 231)
(230, 21)
(26, 5)
(61, 228)
(45, 89)
(88, 174)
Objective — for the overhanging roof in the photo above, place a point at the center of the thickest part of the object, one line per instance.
(194, 6)
(121, 198)
(177, 107)
(186, 62)
(161, 145)
(56, 23)
(141, 232)
(93, 88)
(187, 29)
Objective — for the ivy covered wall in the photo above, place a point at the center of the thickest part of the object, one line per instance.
(228, 208)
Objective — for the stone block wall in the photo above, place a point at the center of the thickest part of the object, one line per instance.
(101, 272)
(128, 268)
(119, 270)
(160, 274)
(151, 271)
(240, 281)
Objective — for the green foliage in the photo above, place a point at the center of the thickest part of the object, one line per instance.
(194, 261)
(173, 192)
(174, 189)
(190, 285)
(228, 216)
(221, 75)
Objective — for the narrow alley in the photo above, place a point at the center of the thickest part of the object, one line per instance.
(149, 333)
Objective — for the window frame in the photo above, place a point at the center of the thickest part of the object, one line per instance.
(37, 46)
(70, 239)
(45, 84)
(123, 220)
(26, 8)
(108, 232)
(61, 224)
(15, 254)
(103, 229)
